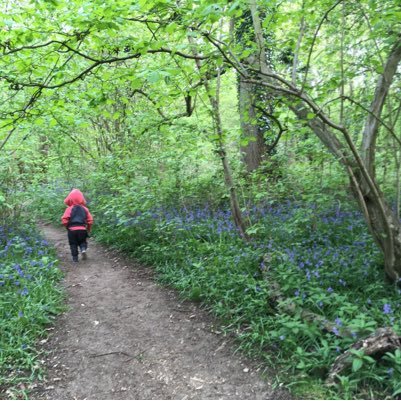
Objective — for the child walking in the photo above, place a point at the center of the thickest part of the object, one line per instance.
(78, 221)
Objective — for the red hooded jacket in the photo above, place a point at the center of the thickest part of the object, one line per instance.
(75, 197)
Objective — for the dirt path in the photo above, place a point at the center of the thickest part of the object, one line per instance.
(125, 337)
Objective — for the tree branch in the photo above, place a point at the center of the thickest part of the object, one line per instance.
(388, 128)
(97, 63)
(314, 40)
(278, 123)
(372, 122)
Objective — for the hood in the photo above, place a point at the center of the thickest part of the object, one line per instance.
(75, 197)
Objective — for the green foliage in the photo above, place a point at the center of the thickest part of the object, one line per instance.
(29, 300)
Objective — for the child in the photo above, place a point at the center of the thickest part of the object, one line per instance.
(78, 221)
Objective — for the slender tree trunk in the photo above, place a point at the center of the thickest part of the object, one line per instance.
(397, 157)
(228, 178)
(398, 185)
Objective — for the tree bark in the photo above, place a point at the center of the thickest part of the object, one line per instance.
(376, 345)
(253, 127)
(372, 124)
(255, 150)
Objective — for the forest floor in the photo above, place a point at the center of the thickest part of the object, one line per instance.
(126, 337)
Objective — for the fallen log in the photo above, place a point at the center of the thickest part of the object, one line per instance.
(376, 345)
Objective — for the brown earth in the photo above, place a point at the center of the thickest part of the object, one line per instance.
(126, 337)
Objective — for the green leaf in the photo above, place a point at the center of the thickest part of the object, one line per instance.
(356, 364)
(39, 121)
(154, 77)
(397, 391)
(52, 122)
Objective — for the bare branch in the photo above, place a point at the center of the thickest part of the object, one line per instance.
(314, 40)
(388, 128)
(278, 123)
(159, 110)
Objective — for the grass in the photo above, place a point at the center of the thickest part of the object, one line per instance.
(29, 300)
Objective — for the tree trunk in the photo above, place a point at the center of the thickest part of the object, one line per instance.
(255, 150)
(228, 178)
(385, 229)
(398, 185)
(253, 127)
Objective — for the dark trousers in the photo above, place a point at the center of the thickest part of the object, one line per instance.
(77, 238)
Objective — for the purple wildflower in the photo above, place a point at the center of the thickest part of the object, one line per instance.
(24, 291)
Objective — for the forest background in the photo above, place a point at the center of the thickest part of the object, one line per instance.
(249, 151)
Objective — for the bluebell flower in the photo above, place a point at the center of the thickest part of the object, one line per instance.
(330, 290)
(387, 309)
(19, 270)
(24, 291)
(335, 331)
(338, 322)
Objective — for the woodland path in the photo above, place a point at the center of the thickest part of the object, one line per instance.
(126, 337)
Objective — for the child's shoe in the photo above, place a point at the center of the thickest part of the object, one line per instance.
(83, 254)
(75, 259)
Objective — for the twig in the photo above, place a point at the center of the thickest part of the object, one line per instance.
(112, 353)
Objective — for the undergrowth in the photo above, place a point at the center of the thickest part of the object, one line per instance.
(302, 257)
(29, 300)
